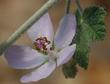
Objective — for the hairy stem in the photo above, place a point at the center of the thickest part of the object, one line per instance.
(68, 2)
(79, 7)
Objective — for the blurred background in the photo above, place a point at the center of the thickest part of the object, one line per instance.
(13, 13)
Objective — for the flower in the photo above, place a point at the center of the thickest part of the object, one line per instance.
(50, 51)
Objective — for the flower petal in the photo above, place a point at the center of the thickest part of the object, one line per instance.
(23, 57)
(40, 73)
(42, 28)
(66, 31)
(66, 54)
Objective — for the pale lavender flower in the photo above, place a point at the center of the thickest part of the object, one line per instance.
(50, 50)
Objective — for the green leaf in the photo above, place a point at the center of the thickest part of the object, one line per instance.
(94, 17)
(90, 27)
(70, 70)
(82, 48)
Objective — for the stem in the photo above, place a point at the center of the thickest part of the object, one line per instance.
(68, 2)
(79, 6)
(24, 27)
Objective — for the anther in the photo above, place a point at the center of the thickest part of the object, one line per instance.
(41, 44)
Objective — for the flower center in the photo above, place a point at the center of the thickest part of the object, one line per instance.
(41, 44)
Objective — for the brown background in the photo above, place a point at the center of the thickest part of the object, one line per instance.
(14, 12)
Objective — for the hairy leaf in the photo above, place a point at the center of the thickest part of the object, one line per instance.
(70, 70)
(90, 28)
